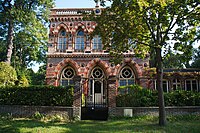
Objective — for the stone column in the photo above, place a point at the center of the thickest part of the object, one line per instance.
(77, 97)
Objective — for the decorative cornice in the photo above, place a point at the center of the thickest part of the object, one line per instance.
(69, 14)
(70, 11)
(84, 55)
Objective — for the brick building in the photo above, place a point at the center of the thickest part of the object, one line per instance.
(72, 53)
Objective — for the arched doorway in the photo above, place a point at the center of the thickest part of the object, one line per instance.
(97, 88)
(95, 105)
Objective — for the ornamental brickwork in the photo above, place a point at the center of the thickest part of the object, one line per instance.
(72, 53)
(82, 61)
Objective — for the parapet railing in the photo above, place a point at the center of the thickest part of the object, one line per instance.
(71, 11)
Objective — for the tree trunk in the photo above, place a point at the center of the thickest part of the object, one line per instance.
(10, 41)
(159, 70)
(152, 61)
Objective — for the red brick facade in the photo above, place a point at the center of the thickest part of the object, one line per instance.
(74, 49)
(85, 60)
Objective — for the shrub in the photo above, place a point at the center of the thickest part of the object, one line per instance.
(183, 117)
(146, 97)
(8, 75)
(7, 116)
(38, 116)
(136, 97)
(58, 118)
(50, 118)
(22, 79)
(182, 98)
(37, 95)
(129, 89)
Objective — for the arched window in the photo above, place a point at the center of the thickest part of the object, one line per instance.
(80, 41)
(126, 77)
(62, 40)
(97, 43)
(67, 76)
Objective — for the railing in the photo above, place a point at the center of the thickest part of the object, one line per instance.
(72, 11)
(99, 101)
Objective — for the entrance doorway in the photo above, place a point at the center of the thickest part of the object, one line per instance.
(97, 88)
(95, 102)
(98, 92)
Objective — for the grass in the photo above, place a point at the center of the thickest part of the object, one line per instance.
(180, 124)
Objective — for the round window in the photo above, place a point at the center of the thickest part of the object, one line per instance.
(126, 73)
(68, 73)
(97, 73)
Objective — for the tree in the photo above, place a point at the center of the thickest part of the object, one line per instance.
(2, 50)
(37, 78)
(28, 49)
(151, 25)
(196, 59)
(175, 60)
(2, 40)
(22, 78)
(27, 16)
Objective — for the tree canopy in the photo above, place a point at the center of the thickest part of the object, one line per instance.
(196, 59)
(24, 27)
(150, 26)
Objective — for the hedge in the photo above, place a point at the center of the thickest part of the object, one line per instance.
(182, 98)
(147, 98)
(36, 95)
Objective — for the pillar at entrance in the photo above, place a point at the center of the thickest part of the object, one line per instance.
(77, 96)
(112, 91)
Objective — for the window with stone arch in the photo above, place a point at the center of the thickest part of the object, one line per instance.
(97, 43)
(67, 76)
(80, 40)
(126, 78)
(64, 39)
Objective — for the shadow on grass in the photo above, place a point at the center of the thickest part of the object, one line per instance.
(16, 126)
(88, 126)
(113, 126)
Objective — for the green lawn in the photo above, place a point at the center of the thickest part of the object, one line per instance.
(181, 124)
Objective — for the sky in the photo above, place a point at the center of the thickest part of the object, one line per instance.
(75, 3)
